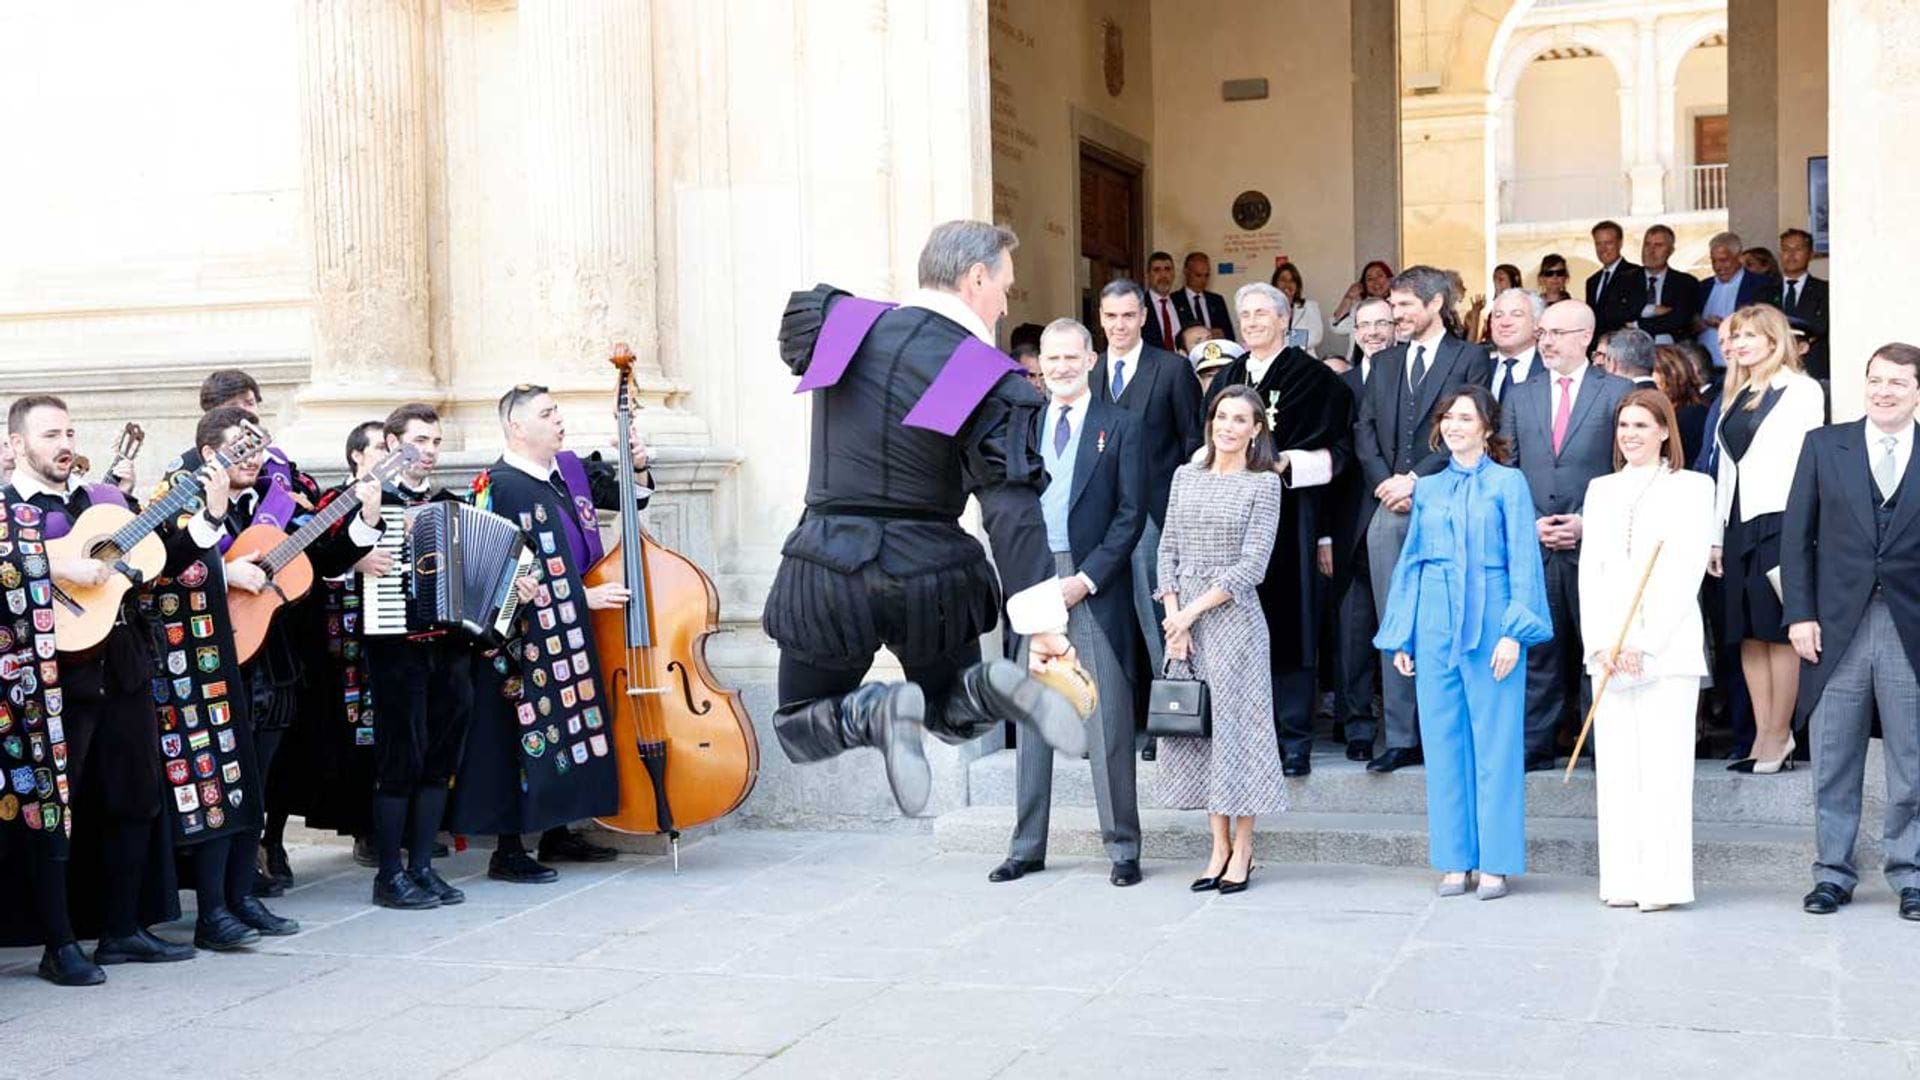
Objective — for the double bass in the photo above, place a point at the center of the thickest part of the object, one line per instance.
(684, 744)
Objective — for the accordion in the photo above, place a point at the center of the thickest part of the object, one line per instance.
(456, 571)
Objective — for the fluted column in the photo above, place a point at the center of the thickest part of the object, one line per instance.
(587, 80)
(363, 129)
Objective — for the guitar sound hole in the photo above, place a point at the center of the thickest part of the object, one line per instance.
(105, 551)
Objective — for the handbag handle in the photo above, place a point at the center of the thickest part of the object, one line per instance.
(1166, 669)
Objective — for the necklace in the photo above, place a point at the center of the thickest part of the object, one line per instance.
(1633, 510)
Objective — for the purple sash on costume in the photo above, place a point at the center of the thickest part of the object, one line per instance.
(59, 524)
(583, 525)
(962, 384)
(840, 337)
(275, 508)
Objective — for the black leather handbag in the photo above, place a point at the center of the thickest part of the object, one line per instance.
(1179, 708)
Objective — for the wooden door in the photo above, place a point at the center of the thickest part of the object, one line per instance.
(1710, 140)
(1111, 225)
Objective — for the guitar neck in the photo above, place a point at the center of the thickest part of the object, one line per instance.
(328, 516)
(178, 497)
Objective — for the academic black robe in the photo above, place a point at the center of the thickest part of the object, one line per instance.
(1309, 408)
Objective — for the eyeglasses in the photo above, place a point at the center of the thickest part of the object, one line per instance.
(1544, 333)
(1376, 324)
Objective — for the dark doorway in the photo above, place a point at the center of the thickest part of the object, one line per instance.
(1112, 225)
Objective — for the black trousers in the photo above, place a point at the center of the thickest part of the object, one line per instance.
(1293, 701)
(422, 705)
(801, 682)
(1557, 687)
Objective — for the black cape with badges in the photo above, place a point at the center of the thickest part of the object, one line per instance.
(1309, 408)
(206, 731)
(324, 771)
(538, 752)
(886, 493)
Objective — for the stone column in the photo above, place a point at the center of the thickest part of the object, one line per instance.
(1645, 176)
(364, 136)
(1873, 65)
(1753, 119)
(1376, 127)
(587, 79)
(1447, 154)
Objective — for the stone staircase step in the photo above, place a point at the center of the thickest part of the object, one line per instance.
(1724, 853)
(1341, 786)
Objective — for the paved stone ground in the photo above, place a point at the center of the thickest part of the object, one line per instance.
(778, 954)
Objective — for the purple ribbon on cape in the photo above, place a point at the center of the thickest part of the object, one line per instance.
(845, 328)
(59, 524)
(965, 380)
(275, 508)
(583, 525)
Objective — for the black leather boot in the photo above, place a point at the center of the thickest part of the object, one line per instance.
(885, 716)
(996, 690)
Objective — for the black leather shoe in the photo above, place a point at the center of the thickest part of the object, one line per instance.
(220, 931)
(1228, 886)
(142, 947)
(1359, 749)
(68, 966)
(520, 869)
(1015, 869)
(1127, 872)
(430, 880)
(1148, 752)
(1910, 904)
(570, 846)
(267, 888)
(1827, 898)
(278, 866)
(1395, 757)
(1299, 764)
(1541, 763)
(401, 892)
(255, 914)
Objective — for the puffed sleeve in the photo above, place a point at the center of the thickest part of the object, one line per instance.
(1403, 594)
(1526, 619)
(1001, 467)
(1167, 564)
(1242, 580)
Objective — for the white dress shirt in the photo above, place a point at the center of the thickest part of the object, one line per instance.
(1128, 364)
(1578, 375)
(1198, 302)
(1432, 346)
(951, 306)
(1522, 369)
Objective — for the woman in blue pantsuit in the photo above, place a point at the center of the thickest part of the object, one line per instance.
(1468, 598)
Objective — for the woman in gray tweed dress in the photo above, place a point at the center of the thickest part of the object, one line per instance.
(1222, 516)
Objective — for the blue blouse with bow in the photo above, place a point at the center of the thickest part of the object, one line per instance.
(1467, 521)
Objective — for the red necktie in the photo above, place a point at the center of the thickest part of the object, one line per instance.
(1166, 326)
(1562, 413)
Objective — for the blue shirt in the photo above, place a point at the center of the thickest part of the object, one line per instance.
(1054, 501)
(1722, 298)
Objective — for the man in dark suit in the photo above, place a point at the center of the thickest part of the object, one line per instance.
(1512, 319)
(1850, 583)
(1195, 304)
(1160, 390)
(1094, 506)
(1560, 425)
(1672, 295)
(1618, 290)
(1804, 297)
(1628, 353)
(1344, 559)
(1162, 330)
(1390, 441)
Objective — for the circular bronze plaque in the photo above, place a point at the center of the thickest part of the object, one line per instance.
(1251, 210)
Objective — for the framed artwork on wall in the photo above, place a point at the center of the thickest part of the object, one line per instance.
(1817, 202)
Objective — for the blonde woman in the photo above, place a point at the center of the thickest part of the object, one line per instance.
(1770, 405)
(1643, 730)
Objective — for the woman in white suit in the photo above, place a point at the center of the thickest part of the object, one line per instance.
(1768, 407)
(1643, 731)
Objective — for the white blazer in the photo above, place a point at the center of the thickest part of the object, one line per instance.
(1765, 475)
(1677, 508)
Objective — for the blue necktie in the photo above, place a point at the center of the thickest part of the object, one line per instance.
(1062, 432)
(1119, 378)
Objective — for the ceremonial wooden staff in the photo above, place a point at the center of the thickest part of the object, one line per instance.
(1612, 656)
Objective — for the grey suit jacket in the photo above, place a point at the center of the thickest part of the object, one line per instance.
(1559, 481)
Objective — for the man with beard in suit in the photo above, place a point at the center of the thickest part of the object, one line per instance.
(1310, 415)
(1391, 443)
(1163, 326)
(1161, 391)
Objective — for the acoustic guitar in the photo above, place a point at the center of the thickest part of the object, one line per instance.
(83, 614)
(284, 558)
